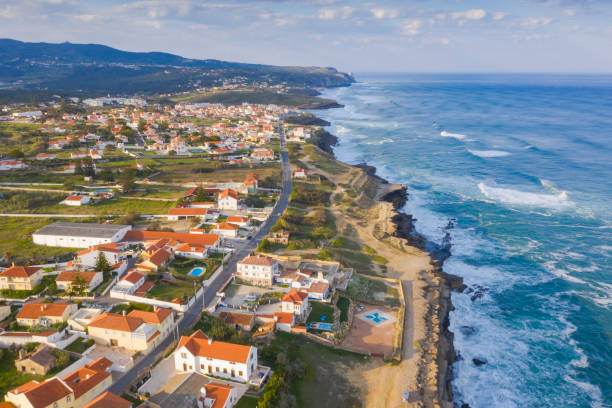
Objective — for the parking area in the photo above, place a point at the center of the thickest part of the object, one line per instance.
(238, 296)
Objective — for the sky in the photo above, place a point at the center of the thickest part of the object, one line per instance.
(356, 36)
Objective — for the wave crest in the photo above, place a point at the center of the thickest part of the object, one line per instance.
(489, 153)
(517, 197)
(457, 136)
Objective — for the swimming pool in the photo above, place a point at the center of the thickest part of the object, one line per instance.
(376, 317)
(195, 272)
(325, 326)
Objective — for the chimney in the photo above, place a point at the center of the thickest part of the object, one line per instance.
(155, 308)
(22, 353)
(42, 308)
(203, 392)
(123, 312)
(209, 340)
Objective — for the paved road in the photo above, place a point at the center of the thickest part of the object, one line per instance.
(250, 245)
(194, 313)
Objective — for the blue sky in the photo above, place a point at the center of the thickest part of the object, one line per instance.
(384, 36)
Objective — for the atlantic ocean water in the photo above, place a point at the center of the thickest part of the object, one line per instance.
(522, 165)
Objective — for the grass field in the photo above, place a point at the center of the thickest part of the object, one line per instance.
(343, 304)
(182, 266)
(168, 291)
(23, 136)
(320, 309)
(363, 288)
(80, 345)
(246, 402)
(16, 238)
(192, 173)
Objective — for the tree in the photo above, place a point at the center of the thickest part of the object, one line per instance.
(80, 284)
(162, 126)
(15, 153)
(102, 265)
(127, 180)
(141, 125)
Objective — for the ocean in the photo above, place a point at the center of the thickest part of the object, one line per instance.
(522, 165)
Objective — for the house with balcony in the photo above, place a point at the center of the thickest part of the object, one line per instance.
(20, 277)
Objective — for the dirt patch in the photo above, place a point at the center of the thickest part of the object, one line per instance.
(372, 331)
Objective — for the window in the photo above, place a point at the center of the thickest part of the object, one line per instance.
(183, 355)
(68, 398)
(217, 369)
(55, 405)
(224, 370)
(240, 373)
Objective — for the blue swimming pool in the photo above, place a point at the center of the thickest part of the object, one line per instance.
(325, 326)
(195, 272)
(376, 317)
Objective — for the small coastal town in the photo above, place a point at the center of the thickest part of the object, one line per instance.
(194, 254)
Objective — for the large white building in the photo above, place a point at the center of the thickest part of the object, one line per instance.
(258, 270)
(200, 354)
(79, 235)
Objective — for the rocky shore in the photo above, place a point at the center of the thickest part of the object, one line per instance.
(438, 355)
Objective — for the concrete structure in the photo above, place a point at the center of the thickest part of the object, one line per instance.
(136, 331)
(200, 354)
(20, 277)
(79, 235)
(81, 319)
(45, 314)
(227, 199)
(40, 362)
(76, 200)
(72, 391)
(279, 237)
(258, 270)
(68, 280)
(242, 321)
(5, 311)
(297, 303)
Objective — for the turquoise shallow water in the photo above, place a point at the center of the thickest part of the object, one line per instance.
(522, 164)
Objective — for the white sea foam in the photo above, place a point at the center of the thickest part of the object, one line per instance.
(379, 142)
(517, 197)
(489, 153)
(457, 136)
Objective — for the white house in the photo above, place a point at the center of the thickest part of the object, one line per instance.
(79, 235)
(217, 395)
(111, 251)
(198, 353)
(258, 269)
(192, 251)
(128, 284)
(228, 199)
(226, 229)
(297, 303)
(76, 200)
(238, 220)
(67, 280)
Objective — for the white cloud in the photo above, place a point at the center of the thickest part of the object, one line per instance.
(444, 41)
(412, 27)
(569, 12)
(533, 22)
(8, 12)
(381, 13)
(335, 13)
(474, 14)
(86, 17)
(499, 15)
(535, 37)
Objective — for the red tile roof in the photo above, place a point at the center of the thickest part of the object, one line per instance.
(20, 271)
(226, 226)
(133, 277)
(219, 392)
(156, 317)
(198, 345)
(109, 400)
(117, 322)
(228, 192)
(258, 260)
(87, 377)
(187, 211)
(70, 276)
(43, 394)
(295, 297)
(35, 310)
(142, 236)
(160, 257)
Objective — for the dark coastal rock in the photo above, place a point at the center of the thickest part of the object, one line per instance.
(397, 197)
(478, 361)
(476, 291)
(455, 282)
(467, 330)
(465, 405)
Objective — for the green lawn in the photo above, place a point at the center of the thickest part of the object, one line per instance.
(168, 291)
(320, 309)
(16, 239)
(364, 288)
(80, 345)
(181, 266)
(246, 402)
(114, 206)
(128, 307)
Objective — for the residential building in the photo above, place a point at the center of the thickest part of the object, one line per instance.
(192, 251)
(297, 303)
(258, 270)
(200, 354)
(210, 241)
(217, 395)
(279, 237)
(242, 321)
(39, 362)
(74, 390)
(136, 331)
(79, 235)
(69, 280)
(226, 229)
(76, 200)
(181, 213)
(45, 314)
(20, 277)
(238, 220)
(109, 400)
(128, 284)
(159, 258)
(227, 199)
(112, 251)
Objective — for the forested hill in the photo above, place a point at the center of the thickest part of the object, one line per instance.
(95, 68)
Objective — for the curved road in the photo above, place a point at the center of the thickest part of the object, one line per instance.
(192, 315)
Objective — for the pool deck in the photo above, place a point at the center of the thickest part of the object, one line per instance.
(371, 337)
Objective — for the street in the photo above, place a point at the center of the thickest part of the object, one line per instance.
(193, 314)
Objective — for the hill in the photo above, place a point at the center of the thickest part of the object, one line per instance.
(96, 69)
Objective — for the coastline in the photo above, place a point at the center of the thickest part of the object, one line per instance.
(427, 351)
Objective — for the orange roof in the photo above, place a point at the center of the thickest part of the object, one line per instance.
(228, 192)
(295, 297)
(35, 310)
(187, 211)
(141, 236)
(237, 218)
(43, 394)
(199, 345)
(75, 198)
(108, 400)
(117, 322)
(226, 226)
(156, 317)
(70, 276)
(133, 277)
(219, 392)
(87, 377)
(160, 257)
(258, 260)
(191, 248)
(283, 317)
(20, 271)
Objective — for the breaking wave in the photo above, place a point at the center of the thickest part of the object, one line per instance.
(489, 153)
(457, 136)
(517, 197)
